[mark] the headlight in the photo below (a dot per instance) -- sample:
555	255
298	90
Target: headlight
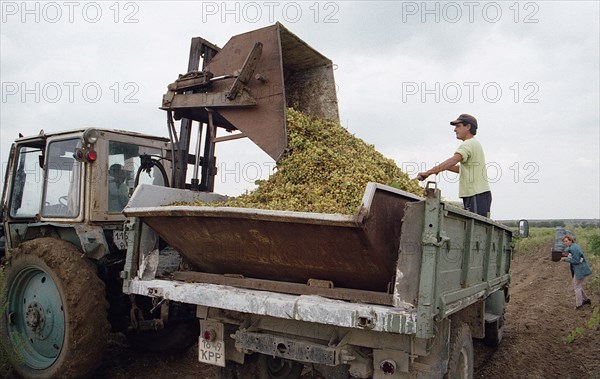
90	136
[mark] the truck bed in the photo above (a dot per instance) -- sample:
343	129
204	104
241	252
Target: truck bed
357	251
400	258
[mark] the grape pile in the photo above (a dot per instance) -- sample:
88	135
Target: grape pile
325	169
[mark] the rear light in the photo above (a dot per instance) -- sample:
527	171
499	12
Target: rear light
209	335
79	155
388	367
91	155
85	155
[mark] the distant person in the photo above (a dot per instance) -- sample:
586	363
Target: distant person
581	270
118	192
569	233
473	186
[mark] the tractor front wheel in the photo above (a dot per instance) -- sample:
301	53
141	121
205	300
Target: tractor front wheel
54	323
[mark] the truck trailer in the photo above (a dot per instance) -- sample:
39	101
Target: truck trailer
102	234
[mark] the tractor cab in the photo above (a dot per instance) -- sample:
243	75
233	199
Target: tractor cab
75	184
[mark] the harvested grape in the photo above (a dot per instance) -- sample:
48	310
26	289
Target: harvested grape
325	169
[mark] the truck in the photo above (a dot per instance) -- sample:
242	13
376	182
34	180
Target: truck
102	235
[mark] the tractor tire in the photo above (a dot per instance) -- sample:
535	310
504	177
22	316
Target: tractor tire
54	323
460	362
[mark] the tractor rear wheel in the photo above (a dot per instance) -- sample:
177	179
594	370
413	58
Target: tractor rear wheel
54	323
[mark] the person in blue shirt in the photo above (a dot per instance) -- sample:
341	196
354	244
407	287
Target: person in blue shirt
581	270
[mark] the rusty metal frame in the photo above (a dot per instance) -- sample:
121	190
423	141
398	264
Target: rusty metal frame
370	297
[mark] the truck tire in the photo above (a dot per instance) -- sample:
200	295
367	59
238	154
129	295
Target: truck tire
233	370
460	362
226	373
54	323
277	368
494	331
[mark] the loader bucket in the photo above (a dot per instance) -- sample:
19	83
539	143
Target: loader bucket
274	70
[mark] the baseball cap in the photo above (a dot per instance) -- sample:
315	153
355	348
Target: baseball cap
465	119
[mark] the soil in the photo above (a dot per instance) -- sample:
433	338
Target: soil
539	317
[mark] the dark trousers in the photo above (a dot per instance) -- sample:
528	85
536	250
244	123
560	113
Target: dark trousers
480	203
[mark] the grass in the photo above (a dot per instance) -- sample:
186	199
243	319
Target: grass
538	238
586	237
590	238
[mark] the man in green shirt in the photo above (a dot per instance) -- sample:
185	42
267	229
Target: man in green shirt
473	186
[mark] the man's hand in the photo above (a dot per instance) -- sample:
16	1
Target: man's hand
423	175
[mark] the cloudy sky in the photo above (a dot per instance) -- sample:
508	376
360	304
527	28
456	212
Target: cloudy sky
529	71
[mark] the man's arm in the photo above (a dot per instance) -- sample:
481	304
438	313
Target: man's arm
450	164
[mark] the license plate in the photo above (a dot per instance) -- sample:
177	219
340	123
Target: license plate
211	350
120	239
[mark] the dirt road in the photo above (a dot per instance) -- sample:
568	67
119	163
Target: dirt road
539	317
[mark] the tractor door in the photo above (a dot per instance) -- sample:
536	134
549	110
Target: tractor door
23	187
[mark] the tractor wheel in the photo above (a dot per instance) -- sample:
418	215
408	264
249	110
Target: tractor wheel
54	323
460	363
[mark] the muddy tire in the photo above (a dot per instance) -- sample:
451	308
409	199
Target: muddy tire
54	323
494	331
460	362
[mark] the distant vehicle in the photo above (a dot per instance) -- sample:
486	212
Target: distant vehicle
559	247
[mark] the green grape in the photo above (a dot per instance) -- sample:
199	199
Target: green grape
325	169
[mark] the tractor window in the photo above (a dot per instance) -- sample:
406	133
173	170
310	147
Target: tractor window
25	201
123	165
63	178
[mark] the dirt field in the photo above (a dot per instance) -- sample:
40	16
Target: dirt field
539	317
